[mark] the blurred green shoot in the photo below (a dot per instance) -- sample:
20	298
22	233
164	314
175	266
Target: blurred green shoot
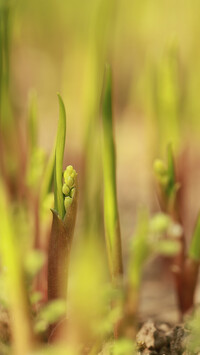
168	95
191	269
36	156
49	314
22	331
194	250
35	168
33	262
38	171
193	340
111	217
152	237
59	154
93	321
185	268
165	176
47	182
139	250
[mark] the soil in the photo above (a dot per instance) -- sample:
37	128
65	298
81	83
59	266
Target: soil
160	338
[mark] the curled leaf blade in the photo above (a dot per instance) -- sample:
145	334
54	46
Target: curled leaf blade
59	154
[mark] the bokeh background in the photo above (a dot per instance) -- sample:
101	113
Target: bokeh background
153	49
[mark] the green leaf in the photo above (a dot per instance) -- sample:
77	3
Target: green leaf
35	167
171	170
34	261
194	251
140	249
11	263
53	311
60	146
166	176
47	178
111	218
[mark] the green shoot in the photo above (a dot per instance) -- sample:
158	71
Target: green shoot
59	153
194	250
139	250
47	179
111	218
165	176
171	170
61	239
15	281
168	92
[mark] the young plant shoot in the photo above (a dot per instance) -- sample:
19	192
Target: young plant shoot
185	267
16	288
111	217
64	216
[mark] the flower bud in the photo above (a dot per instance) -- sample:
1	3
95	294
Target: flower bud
66	189
67	202
72	192
159	167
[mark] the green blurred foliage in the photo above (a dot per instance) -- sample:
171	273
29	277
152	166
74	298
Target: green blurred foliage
63	46
50	313
153	236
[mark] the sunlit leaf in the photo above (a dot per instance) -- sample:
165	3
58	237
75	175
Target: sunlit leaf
111	217
194	250
34	260
58	169
53	311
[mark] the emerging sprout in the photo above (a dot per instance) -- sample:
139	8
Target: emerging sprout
159	223
69	185
159	167
161	172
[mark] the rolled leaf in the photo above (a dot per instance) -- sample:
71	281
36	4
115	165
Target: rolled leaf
59	154
111	217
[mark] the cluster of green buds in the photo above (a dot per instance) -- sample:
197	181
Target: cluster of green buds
165	174
161	172
69	186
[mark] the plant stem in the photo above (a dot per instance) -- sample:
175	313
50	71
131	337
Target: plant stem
22	332
111	217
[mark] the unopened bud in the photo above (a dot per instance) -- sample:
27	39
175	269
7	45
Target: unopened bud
65	189
159	167
70	181
159	223
67	202
72	192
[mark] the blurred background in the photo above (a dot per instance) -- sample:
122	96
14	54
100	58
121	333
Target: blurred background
153	49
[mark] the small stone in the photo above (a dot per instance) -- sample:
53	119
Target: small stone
146	335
